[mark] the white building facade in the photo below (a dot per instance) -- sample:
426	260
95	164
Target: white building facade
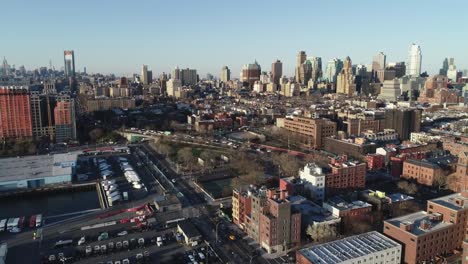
314	178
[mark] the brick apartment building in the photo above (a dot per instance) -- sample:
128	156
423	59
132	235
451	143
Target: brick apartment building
268	218
461	172
375	161
345	175
354	147
314	130
436	234
15	112
424	172
103	103
357	126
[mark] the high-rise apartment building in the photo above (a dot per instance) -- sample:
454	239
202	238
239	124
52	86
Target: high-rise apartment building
188	76
251	73
268	218
69	60
176	73
276	71
301	58
225	75
15	112
64	117
146	75
345	80
42	115
435	234
414	61
379	62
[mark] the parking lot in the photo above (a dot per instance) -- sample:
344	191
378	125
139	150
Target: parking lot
120	242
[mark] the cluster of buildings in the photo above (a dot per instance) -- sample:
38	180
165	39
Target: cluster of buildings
29	114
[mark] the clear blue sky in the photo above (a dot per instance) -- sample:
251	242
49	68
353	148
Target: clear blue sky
119	36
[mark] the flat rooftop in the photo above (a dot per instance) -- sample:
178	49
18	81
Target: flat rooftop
310	211
415	219
450	201
348	248
342	204
399	197
36	167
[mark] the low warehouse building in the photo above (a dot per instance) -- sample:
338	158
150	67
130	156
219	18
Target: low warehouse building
31	172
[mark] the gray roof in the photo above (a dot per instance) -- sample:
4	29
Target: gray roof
415	219
348	248
450	201
36	167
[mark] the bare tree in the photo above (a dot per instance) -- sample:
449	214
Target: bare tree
185	156
409	188
287	165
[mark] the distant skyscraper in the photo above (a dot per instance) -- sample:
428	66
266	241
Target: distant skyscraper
414	61
146	75
345	80
452	70
188	76
305	72
379	62
5	67
251	73
445	66
301	58
276	71
316	68
69	60
333	68
225	75
176	73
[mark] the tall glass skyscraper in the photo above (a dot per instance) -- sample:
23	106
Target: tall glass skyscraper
334	67
69	60
414	61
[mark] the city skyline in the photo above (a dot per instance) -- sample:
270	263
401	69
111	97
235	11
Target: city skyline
163	40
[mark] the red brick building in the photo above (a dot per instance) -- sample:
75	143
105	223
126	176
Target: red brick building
375	161
345	175
15	112
268	217
422	171
436	234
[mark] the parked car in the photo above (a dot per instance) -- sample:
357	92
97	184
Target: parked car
88	250
103	236
159	241
81	241
123	233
